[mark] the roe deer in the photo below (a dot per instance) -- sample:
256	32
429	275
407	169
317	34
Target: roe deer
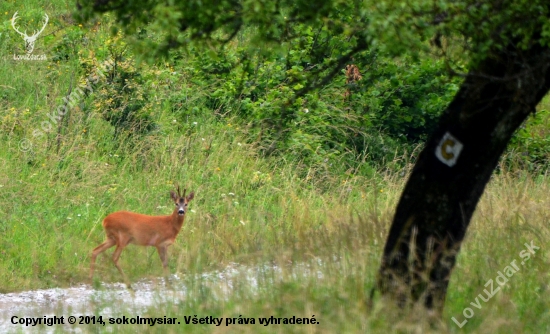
352	76
123	228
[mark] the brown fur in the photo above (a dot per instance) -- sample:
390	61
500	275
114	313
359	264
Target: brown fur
123	228
352	75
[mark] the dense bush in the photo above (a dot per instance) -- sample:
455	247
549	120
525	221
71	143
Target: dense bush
385	114
530	146
123	98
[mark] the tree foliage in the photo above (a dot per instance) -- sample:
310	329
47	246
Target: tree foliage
466	29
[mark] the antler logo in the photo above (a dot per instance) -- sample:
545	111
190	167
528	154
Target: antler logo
29	40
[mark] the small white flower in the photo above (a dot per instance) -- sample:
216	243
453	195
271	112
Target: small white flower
195	123
193	211
202	139
306	110
243	223
231	194
223	195
236	203
239	144
69	218
78	215
174	121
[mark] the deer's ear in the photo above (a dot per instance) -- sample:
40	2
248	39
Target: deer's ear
191	196
173	196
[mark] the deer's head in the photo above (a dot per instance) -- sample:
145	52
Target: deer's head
181	201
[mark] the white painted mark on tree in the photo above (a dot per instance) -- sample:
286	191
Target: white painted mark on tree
448	150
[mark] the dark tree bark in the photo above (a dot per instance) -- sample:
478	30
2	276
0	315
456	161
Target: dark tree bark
450	175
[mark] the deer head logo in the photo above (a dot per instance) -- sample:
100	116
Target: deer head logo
29	40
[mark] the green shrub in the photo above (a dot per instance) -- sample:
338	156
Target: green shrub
123	99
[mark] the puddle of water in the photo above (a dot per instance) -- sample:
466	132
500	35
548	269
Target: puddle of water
81	300
113	299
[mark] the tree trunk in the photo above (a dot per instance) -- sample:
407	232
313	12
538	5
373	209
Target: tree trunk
451	172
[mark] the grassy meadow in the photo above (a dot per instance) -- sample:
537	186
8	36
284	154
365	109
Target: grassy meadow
322	228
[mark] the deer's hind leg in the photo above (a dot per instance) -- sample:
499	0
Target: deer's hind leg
98	250
120	245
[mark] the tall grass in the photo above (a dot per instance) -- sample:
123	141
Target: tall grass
248	210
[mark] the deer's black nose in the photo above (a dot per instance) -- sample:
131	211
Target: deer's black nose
181	211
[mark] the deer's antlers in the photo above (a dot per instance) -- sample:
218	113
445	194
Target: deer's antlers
46	18
13	19
35	33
